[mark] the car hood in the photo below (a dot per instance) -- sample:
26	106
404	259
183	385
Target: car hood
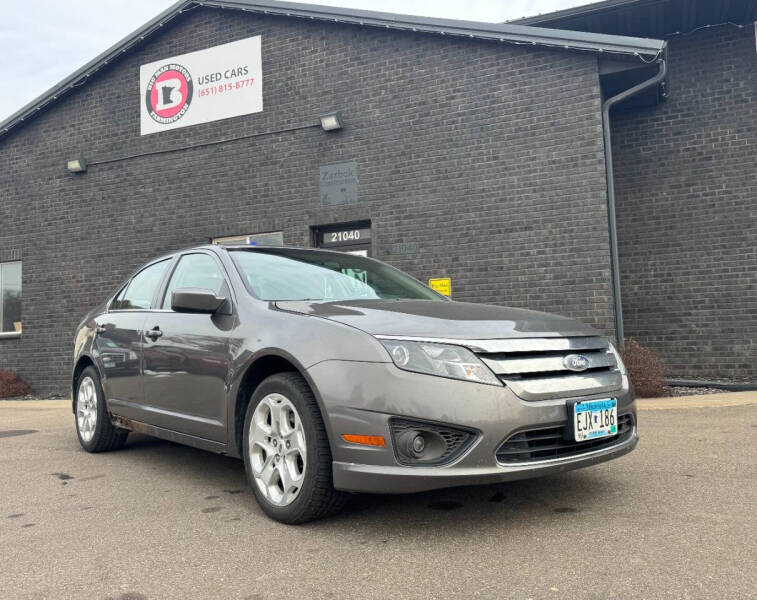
454	320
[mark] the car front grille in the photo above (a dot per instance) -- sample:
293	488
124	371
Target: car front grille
537	368
550	443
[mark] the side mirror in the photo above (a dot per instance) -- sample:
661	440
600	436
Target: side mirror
196	300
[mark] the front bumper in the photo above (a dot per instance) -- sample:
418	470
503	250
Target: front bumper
360	398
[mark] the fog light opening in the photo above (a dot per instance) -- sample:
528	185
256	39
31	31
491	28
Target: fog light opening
425	443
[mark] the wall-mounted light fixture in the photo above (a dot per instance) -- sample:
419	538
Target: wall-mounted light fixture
77	165
331	121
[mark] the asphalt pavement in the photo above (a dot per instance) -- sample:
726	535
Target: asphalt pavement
677	518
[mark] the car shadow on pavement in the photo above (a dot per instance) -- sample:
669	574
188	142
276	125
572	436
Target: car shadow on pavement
572	495
179	458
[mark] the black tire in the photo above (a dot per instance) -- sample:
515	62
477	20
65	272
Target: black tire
317	497
106	437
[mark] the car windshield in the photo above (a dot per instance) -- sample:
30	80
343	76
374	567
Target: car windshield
289	274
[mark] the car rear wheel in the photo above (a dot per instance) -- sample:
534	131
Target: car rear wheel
286	452
95	431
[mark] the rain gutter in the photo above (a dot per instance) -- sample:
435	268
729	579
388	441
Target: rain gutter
608	104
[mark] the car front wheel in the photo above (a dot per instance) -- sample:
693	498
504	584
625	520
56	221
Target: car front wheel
286	452
93	427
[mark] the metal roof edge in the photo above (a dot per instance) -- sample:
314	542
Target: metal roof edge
575	11
503	32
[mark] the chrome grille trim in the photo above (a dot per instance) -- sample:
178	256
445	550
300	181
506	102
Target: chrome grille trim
537	344
496	346
534	368
541	364
578	384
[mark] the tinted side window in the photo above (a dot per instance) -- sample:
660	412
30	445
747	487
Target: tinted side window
140	292
116	302
196	271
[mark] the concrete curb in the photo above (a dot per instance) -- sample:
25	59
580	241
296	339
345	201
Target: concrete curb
725	386
702	401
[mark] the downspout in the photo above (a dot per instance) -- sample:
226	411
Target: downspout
614	263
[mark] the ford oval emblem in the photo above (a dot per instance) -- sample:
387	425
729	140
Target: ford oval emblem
576	362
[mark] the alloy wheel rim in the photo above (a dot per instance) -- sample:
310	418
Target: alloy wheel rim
277	449
86	409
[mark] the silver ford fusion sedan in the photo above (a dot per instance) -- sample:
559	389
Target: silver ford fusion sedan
330	373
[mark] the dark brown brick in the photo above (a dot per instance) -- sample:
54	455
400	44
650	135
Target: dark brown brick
687	216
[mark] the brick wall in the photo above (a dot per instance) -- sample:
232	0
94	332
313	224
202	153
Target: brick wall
686	193
488	156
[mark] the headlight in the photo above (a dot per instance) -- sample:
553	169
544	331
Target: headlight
439	359
618	359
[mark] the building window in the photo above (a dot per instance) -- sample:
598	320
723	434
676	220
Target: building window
271	238
10	298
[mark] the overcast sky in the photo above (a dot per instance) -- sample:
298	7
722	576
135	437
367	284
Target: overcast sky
43	41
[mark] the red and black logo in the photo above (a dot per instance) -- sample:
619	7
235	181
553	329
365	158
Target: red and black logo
169	93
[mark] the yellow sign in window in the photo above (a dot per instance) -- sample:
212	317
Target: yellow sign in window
443	285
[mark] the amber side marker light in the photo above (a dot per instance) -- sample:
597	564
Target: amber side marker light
365	440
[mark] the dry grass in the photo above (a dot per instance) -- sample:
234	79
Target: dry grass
646	369
12	386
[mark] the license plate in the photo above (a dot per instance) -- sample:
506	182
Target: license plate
595	419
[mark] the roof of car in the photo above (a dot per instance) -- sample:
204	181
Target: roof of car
268	247
502	32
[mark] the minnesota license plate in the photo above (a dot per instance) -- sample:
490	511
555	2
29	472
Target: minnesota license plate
595	419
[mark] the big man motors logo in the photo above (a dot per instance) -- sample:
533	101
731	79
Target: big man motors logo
169	93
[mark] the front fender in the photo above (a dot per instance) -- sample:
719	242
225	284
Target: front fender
248	362
300	343
84	350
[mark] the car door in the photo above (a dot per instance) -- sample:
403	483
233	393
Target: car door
119	340
187	355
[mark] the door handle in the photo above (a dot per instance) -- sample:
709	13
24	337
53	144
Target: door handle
153	333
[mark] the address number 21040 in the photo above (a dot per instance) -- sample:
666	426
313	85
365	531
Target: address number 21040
336	237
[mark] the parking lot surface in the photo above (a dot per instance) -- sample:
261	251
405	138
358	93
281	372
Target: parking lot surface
674	519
